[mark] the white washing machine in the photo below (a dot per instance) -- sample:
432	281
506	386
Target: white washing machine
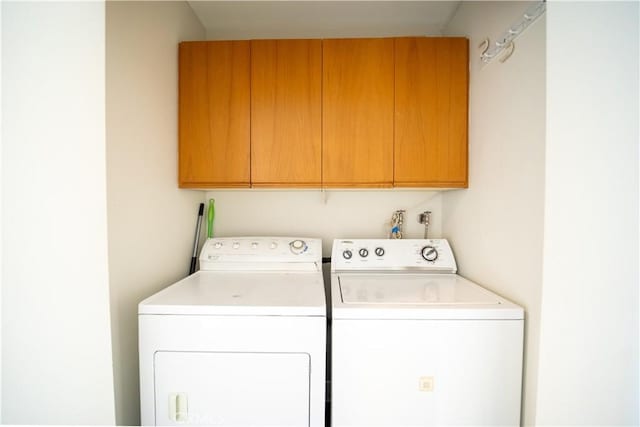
414	344
241	342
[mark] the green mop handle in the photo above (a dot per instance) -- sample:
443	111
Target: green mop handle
211	214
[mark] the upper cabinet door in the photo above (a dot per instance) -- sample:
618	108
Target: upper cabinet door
431	104
357	112
286	112
214	123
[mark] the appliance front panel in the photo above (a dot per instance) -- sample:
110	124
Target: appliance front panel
233	335
218	388
426	372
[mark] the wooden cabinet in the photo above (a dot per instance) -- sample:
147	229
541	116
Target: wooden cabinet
332	113
431	103
357	112
214	119
286	130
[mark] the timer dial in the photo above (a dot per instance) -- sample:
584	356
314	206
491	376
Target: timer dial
298	246
429	253
347	254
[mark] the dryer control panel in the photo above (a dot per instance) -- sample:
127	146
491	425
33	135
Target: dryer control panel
261	253
387	254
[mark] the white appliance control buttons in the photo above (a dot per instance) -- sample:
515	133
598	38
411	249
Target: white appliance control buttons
261	253
433	255
429	253
298	246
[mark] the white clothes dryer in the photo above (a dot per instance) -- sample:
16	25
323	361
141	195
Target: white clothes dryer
241	342
415	344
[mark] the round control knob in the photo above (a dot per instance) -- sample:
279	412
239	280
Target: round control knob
429	253
273	245
298	246
379	251
236	245
217	245
347	254
364	252
254	245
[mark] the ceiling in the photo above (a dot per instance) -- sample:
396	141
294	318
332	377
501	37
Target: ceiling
316	19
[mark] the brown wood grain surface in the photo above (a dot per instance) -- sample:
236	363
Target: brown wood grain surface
214	119
357	112
431	110
286	112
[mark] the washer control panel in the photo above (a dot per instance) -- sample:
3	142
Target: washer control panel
388	254
261	253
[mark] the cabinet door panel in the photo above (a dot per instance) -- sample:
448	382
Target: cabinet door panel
286	110
357	112
214	114
431	104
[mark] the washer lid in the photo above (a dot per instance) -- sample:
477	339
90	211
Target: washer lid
425	289
241	294
418	296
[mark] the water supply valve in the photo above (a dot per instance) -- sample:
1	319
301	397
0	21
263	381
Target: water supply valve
424	218
397	219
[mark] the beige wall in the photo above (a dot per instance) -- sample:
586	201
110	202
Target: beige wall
150	220
589	361
496	226
56	332
322	19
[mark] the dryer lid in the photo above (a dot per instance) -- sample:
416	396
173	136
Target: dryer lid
241	294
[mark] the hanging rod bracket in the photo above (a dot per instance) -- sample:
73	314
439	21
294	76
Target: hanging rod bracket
505	40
